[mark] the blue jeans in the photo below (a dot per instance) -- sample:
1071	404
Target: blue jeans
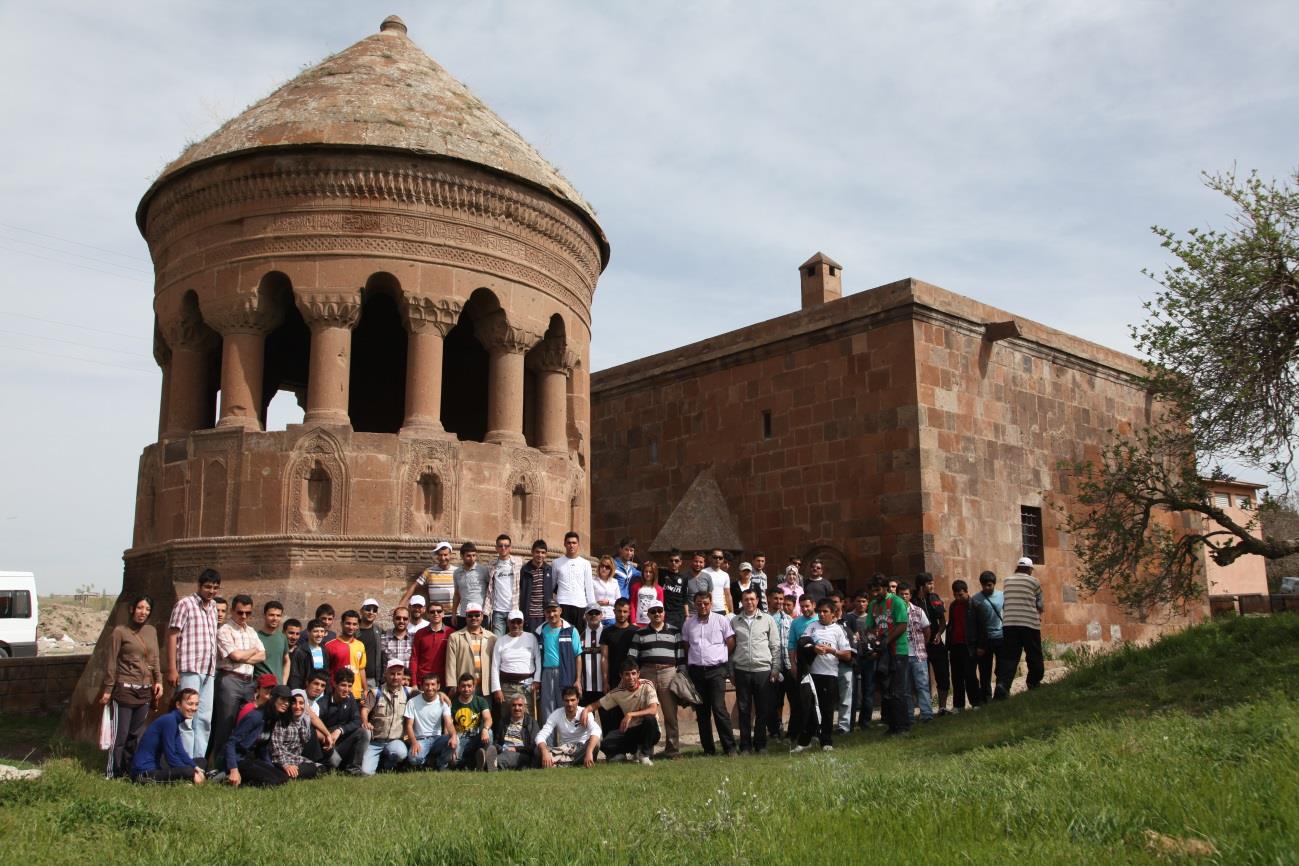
918	689
433	752
202	723
468	746
845	698
500	622
382	754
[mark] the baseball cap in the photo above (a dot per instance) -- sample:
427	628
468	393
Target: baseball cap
1024	560
441	545
744	566
553	605
394	663
370	602
282	692
266	681
417	599
595	608
473	607
654	605
514	614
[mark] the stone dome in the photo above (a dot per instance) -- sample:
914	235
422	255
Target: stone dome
383	92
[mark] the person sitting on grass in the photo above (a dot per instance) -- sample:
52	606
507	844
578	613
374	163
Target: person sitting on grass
637	701
384	715
341	714
575	738
247	750
430	731
516	735
472	716
289	739
161	755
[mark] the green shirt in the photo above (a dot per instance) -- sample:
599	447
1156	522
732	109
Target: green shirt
468	717
276	645
889	610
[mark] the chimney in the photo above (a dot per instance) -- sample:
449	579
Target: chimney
819	279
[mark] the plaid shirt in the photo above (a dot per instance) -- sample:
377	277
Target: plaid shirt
196	643
288	741
396	648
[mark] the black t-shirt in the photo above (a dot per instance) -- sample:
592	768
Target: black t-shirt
674	592
618	640
817	589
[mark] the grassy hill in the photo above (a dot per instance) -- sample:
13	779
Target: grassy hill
1187	751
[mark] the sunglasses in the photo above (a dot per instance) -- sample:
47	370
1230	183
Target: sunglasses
473	615
401	619
371	608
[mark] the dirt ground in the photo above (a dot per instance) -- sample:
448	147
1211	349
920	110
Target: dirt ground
80	623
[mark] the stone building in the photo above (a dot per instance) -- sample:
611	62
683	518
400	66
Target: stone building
373	239
900	429
1246	576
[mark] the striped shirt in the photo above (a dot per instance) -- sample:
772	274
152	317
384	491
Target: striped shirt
232	638
396	648
663	647
592	675
196	643
1022	601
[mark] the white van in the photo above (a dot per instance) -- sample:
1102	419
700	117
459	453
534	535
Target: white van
19	611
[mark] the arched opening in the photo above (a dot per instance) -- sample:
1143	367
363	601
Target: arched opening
465	363
377	389
430	496
210	340
320	495
287	357
520	503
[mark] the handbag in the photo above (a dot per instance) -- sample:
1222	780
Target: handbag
684	689
106	728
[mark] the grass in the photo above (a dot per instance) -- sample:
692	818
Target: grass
1187	751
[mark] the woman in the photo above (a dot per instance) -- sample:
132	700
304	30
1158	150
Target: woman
161	755
132	681
791	585
289	738
247	750
645	592
606	589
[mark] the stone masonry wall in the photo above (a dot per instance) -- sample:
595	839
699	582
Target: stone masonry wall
39	685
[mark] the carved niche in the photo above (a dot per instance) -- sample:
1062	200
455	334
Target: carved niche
316	486
523	502
428	489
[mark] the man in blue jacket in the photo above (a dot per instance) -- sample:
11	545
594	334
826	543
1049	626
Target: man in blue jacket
985	626
560	659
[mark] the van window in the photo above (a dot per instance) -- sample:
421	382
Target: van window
15	604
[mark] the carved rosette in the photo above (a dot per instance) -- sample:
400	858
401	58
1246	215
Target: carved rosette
440	460
316	486
330	309
242	313
553	356
425	315
497	334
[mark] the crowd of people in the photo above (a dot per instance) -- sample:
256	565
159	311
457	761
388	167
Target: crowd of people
537	663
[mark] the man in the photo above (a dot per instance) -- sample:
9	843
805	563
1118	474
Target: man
325	613
222	606
238	649
709	641
430	731
917	660
1022	628
592	680
536	589
674	591
863	682
418	614
191	655
340	712
657	648
292	629
515	736
428	648
384	715
371	637
960	650
988	631
797	707
501	589
637	702
397	643
886	616
472	718
574	589
935	611
516	665
470	581
830	648
615	641
719	582
308	655
576	735
846	668
759	561
469	651
817	587
747	581
347	651
561	659
624	567
275	643
696	581
434	585
777	689
753	660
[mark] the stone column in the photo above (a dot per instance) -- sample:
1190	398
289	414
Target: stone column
506	345
428	321
162	354
331	317
187	386
243	322
552	361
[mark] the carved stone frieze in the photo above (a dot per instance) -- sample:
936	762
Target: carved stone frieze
496	333
242	313
316	486
425	314
441	461
552	355
188	333
330	309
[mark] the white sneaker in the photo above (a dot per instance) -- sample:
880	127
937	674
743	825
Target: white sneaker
797	749
827	748
645	761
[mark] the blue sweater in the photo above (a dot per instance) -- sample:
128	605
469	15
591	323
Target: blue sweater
162	740
244	742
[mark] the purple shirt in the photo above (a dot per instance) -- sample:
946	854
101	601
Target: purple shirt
707	640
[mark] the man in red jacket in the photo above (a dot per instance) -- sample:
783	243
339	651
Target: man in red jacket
428	648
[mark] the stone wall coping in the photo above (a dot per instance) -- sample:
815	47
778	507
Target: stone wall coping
861	311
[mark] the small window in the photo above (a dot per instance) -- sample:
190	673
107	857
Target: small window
1245	503
519	506
654	450
15	604
766	423
430	490
834	271
811	272
1222	500
1030	524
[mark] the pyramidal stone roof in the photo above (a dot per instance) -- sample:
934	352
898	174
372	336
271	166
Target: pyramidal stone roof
382	92
701	521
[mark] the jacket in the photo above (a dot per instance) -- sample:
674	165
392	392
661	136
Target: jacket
757	642
249	740
460	659
570	647
301	664
526	574
983	622
530	728
338	714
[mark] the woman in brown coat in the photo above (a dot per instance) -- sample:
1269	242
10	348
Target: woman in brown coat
133	682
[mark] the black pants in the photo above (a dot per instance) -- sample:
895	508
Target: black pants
940	672
751	701
894	692
794	693
984	663
129	723
822	698
229	693
638	739
306	771
710	682
776	705
573	614
260	774
964	682
864	697
1019	639
165	774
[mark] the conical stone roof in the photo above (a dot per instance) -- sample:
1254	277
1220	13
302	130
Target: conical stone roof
701	521
382	92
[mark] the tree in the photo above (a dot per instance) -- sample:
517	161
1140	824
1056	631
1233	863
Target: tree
1280	518
1222	349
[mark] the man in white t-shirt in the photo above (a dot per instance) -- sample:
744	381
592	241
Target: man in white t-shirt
576	735
829	646
719	582
429	731
574	587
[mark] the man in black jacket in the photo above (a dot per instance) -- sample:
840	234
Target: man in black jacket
341	714
515	734
536	587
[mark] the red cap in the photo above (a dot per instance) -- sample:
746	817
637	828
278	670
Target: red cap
267	681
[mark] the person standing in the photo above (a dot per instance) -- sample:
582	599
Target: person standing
470	581
759	561
817	586
918	630
887	618
719	581
573	580
396	645
625	570
960	652
561	659
275	643
936	612
791	584
781	679
709	641
435	584
645	591
592	685
753	660
657	648
606	589
536	588
615	642
469	651
371	637
516	665
988	632
238	649
502	589
798	708
308	655
132	682
347	651
428	648
674	590
746	581
191	654
1022	629
830	647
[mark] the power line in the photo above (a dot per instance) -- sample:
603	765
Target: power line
70	325
75	358
74	343
51	249
136	280
70	241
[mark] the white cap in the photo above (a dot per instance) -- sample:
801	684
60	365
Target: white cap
441	545
1024	560
370	602
418	599
514	614
473	607
744	566
394	663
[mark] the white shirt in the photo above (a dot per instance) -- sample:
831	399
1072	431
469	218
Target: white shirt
606	593
505	573
416	626
431	718
721	582
573	582
515	655
831	635
569	731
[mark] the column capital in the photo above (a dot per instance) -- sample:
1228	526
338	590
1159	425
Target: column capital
553	356
424	315
161	351
187	333
242	313
498	335
330	309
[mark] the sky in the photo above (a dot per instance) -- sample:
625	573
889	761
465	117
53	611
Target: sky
1014	152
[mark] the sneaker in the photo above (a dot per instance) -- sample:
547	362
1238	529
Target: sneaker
797	749
827	748
480	760
645	761
490	762
616	759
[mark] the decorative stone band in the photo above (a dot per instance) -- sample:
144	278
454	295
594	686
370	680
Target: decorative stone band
330	309
242	313
552	355
497	334
187	333
425	314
